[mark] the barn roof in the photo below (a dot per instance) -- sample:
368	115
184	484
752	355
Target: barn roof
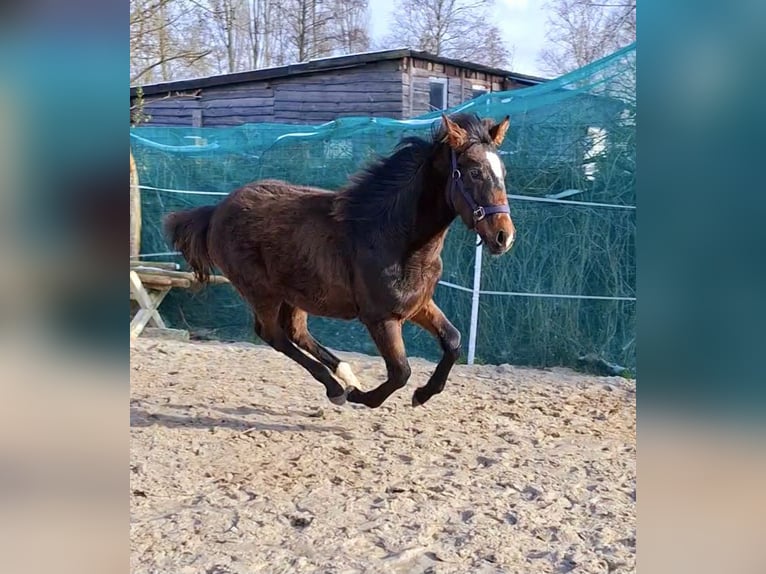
327	64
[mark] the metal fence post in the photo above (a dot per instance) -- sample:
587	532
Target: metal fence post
475	302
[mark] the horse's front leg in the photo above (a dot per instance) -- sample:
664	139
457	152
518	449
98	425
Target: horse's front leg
433	320
387	336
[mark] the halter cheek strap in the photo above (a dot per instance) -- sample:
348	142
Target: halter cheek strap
479	211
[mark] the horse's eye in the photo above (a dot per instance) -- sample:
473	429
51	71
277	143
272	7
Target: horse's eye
475	173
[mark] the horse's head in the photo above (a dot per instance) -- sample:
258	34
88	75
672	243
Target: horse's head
476	185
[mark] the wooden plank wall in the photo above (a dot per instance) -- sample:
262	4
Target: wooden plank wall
460	83
220	106
369	90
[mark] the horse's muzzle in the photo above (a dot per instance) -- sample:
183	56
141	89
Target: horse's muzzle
499	238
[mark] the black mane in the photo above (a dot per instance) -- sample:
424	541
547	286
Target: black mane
388	189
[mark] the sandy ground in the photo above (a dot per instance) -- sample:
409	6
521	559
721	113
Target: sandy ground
239	464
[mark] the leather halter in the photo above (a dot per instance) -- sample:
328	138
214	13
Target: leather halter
479	211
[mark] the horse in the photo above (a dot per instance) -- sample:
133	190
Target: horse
369	252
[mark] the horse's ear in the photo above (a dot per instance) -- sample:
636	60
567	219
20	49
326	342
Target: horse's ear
455	136
497	132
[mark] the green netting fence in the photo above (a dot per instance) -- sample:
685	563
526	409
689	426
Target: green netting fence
566	289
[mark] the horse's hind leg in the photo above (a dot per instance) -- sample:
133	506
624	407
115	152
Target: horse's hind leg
269	329
388	338
295	323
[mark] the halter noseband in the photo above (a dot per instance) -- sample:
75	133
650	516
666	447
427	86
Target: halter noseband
479	211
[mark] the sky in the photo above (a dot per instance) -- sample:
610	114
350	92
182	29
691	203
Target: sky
522	23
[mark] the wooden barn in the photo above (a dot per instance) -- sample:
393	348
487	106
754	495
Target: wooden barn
396	84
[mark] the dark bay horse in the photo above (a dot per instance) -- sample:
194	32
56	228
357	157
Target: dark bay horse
370	251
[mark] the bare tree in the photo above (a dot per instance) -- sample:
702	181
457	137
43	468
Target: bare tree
319	28
452	28
350	26
581	31
239	32
262	19
493	51
183	38
227	18
156	49
260	22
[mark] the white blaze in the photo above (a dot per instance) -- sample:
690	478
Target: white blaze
496	165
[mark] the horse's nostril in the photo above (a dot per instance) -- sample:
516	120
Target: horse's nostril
501	236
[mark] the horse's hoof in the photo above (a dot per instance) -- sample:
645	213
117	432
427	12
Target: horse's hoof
415	401
340	399
354	395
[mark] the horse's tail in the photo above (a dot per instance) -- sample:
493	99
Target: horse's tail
187	231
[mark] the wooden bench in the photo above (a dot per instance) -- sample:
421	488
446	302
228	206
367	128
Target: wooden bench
150	282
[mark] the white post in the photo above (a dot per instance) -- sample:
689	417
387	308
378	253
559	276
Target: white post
475	303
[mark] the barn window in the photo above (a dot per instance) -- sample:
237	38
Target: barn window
438	88
478	90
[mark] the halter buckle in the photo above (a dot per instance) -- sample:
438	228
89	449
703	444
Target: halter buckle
479	214
456	174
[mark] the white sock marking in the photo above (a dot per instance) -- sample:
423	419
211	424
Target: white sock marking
313	358
345	374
